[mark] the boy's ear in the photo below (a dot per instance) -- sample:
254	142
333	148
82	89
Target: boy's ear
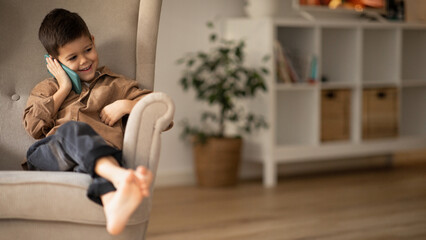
93	39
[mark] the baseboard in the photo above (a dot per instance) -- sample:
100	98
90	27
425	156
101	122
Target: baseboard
186	177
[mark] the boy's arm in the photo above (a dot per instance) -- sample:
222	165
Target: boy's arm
44	102
113	112
128	94
39	114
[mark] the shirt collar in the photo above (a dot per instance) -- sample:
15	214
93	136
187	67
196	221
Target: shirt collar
106	71
100	72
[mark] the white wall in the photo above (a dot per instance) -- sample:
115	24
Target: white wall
182	30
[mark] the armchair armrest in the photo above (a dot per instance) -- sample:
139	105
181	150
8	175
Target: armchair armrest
152	115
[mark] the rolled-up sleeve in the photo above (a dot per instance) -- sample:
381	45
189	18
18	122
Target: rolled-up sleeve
39	113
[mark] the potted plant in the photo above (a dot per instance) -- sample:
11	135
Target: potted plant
220	78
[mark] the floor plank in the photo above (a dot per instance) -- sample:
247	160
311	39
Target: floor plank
369	204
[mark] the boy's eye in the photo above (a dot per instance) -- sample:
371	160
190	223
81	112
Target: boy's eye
72	58
89	49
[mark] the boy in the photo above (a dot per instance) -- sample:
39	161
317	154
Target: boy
84	132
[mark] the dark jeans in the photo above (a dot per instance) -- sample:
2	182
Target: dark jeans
74	147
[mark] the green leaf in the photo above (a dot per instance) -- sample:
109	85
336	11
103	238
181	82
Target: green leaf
184	83
213	37
239	54
202	55
239	93
180	61
213	65
266	58
212	98
263	86
210	25
197	83
208	115
234	117
190	62
224	51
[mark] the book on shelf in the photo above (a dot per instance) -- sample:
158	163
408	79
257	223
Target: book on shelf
293	66
283	75
313	69
290	68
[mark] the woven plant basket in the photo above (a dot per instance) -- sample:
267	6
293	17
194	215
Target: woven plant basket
217	162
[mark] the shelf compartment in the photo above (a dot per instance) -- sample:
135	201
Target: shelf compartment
335	115
380	113
297	117
380	55
413	113
340	55
299	46
414	54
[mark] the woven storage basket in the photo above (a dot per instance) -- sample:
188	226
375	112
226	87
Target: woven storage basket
217	162
380	113
335	114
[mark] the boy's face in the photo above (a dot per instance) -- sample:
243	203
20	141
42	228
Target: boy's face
80	56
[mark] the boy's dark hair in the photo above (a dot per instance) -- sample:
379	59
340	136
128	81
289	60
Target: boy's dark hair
60	27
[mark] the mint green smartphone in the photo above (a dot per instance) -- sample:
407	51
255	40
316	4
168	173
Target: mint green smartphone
75	79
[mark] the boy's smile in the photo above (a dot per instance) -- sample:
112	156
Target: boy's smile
80	56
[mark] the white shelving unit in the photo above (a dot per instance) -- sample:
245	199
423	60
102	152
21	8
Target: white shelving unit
351	55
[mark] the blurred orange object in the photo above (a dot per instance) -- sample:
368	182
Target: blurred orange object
309	2
356	4
374	3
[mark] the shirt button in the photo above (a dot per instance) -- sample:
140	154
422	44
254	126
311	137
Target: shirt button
15	97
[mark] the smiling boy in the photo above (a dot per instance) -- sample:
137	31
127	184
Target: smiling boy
84	132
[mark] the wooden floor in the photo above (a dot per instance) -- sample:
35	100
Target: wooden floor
383	204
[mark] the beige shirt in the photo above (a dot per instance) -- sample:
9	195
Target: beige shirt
40	121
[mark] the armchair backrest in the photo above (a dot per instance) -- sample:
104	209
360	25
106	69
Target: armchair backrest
125	37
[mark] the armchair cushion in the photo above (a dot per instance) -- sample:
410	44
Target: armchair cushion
52	196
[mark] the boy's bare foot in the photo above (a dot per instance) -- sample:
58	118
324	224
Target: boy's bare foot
120	205
132	186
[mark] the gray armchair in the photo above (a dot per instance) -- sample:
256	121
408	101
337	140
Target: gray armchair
53	205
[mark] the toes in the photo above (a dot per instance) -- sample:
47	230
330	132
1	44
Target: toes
140	177
129	177
145	179
141	173
145	173
141	170
148	177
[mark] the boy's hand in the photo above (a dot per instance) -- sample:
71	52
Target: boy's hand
113	112
61	76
